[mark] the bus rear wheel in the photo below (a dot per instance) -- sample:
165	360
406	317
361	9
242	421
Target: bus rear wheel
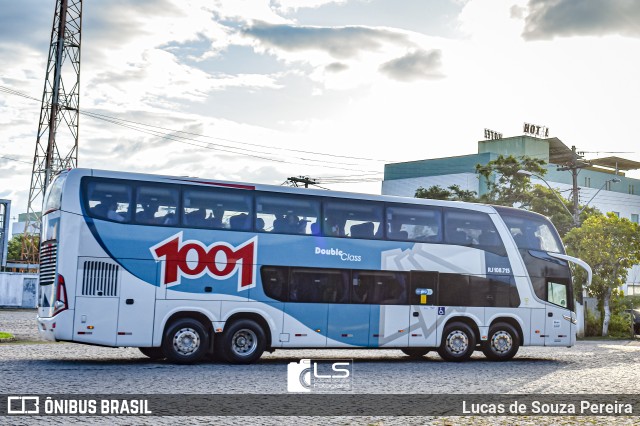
415	352
458	342
153	353
186	341
243	342
503	342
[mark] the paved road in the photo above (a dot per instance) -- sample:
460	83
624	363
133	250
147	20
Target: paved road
589	367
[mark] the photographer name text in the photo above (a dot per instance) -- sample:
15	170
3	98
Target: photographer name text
538	407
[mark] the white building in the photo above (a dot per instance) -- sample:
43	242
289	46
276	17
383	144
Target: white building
596	182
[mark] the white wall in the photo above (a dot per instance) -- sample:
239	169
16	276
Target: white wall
18	290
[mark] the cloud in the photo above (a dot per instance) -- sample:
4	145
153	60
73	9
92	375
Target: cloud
339	42
337	67
418	65
565	18
305	4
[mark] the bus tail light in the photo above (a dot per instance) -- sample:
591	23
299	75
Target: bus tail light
61	297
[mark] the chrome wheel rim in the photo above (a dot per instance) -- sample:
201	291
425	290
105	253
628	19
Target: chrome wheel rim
186	341
244	342
501	342
457	342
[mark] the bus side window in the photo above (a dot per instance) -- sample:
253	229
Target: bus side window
379	287
470	228
239	222
216	208
284	214
319	286
557	292
360	219
158	204
414	223
453	290
109	200
275	282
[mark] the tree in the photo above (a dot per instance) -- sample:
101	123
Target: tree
14	247
509	188
453	192
610	245
505	186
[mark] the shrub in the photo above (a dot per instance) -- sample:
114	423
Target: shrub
620	325
594	326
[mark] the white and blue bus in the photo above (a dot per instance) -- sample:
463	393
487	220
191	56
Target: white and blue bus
189	269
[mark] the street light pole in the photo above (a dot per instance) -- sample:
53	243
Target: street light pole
528	173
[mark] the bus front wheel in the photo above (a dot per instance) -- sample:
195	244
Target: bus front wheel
458	342
186	341
243	342
503	342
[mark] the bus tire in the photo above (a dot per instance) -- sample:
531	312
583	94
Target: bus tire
153	353
503	342
186	341
458	342
415	352
243	342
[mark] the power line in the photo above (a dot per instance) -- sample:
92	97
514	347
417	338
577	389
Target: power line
149	129
134	125
15	159
97	115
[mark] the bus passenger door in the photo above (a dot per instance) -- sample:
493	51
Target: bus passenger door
424	313
389	326
558	320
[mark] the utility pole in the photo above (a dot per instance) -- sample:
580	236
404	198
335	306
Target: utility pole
574	166
5	212
302	179
60	101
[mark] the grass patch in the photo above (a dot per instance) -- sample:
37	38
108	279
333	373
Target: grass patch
4	335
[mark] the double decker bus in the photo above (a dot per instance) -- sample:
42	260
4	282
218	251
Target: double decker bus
189	269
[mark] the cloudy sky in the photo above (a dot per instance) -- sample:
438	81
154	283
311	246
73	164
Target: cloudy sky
260	90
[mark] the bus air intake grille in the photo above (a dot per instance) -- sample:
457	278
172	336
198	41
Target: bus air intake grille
48	256
100	279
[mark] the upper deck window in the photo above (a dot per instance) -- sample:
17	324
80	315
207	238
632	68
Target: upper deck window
157	204
471	228
419	223
216	209
285	214
109	200
355	219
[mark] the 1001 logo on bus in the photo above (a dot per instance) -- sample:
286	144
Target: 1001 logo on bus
220	260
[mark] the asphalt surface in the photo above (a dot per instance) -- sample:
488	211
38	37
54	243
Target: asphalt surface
30	365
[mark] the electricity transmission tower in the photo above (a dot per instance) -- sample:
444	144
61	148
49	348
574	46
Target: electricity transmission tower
56	145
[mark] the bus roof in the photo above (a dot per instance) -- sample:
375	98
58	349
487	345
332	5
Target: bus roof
188	180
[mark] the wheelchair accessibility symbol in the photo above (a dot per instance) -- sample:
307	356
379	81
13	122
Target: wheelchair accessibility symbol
440	310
